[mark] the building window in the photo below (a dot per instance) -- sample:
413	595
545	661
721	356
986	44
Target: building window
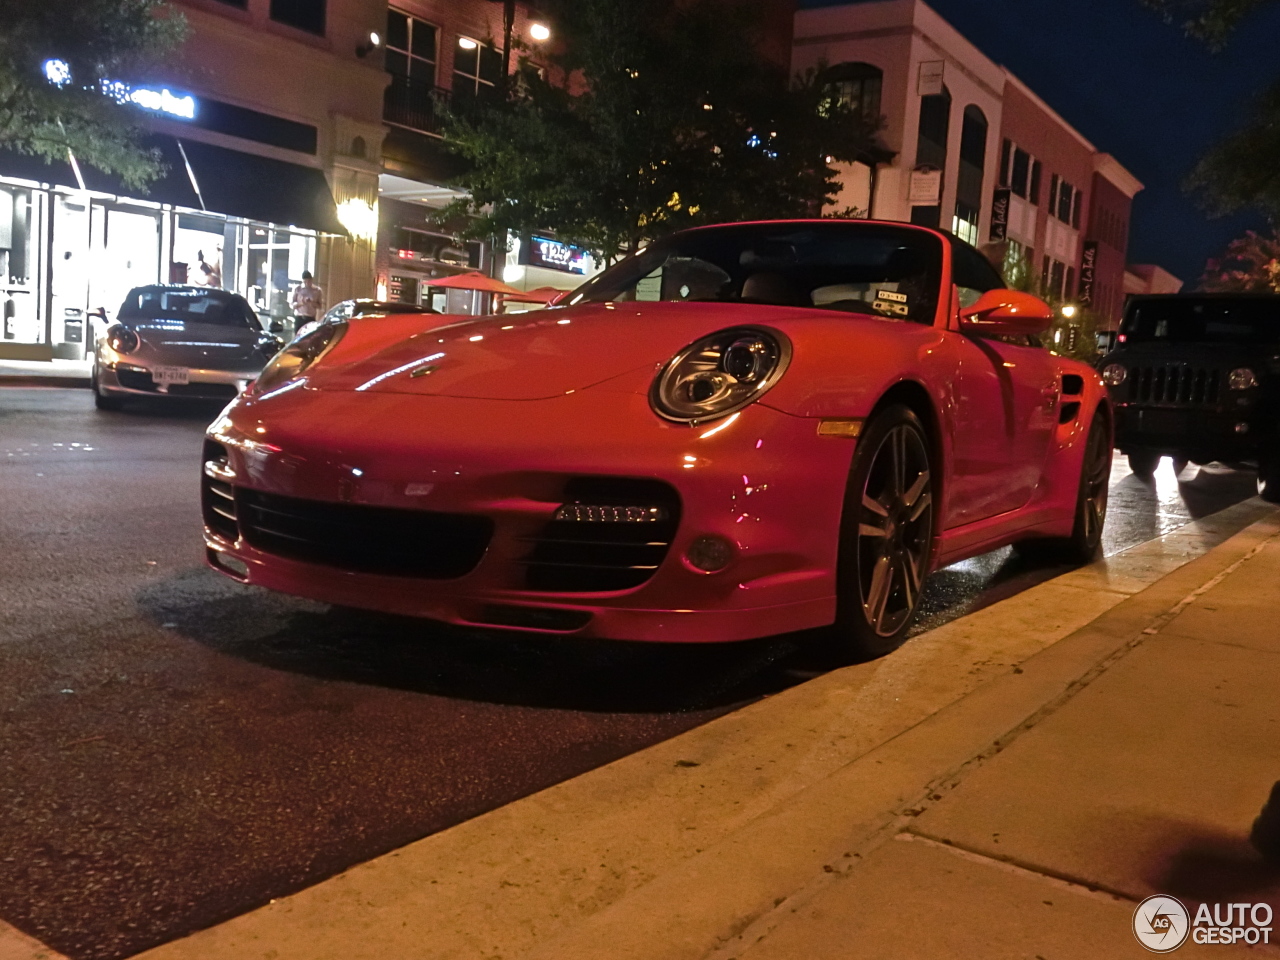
238	4
1033	192
1076	203
1065	192
931	148
973	156
477	71
306	15
856	86
411	48
1021	172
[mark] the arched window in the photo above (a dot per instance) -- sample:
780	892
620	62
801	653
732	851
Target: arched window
856	85
973	153
359	148
931	149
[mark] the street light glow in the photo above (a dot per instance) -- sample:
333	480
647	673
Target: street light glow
539	32
1069	311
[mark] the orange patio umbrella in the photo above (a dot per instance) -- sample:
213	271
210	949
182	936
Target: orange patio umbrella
475	280
537	295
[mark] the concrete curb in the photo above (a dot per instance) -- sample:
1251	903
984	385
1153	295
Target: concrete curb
696	844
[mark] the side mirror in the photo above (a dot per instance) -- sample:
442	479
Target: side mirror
1007	312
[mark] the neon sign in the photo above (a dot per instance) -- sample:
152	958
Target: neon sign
162	100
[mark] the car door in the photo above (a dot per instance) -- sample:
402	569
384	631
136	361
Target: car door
1006	394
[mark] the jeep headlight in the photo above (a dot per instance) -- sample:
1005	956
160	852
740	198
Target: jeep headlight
1242	378
720	374
1114	374
299	355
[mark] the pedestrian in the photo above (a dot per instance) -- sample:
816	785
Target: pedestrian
308	300
1265	835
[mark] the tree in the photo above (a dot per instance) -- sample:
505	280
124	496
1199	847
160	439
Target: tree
657	115
55	56
1243	171
1251	264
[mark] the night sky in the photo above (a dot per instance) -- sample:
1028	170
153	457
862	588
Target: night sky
1138	89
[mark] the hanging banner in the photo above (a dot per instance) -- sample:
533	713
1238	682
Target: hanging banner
929	80
1088	272
1000	215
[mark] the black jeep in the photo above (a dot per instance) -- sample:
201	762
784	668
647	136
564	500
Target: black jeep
1197	377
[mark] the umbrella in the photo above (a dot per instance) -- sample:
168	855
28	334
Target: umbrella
537	295
475	281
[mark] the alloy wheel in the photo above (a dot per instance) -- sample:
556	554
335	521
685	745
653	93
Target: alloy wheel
1096	480
895	522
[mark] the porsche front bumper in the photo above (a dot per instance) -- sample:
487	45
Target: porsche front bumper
443	508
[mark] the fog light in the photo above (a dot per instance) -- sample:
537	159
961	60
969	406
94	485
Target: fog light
709	554
1242	428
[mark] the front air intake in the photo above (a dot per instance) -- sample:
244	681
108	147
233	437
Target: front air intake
611	533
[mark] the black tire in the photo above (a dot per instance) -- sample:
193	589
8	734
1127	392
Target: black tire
886	536
1143	463
1269	478
1085	543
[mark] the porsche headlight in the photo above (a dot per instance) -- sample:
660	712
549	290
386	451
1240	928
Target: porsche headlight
299	354
121	339
719	374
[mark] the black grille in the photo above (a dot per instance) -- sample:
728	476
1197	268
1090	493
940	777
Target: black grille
1175	384
135	379
217	496
215	391
382	540
576	556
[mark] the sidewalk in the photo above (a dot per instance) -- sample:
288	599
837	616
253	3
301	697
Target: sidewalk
45	373
1009	785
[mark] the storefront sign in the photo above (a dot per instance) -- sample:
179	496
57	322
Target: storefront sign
156	100
1000	215
926	187
566	257
1088	272
929	81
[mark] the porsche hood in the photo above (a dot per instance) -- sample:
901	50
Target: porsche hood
540	354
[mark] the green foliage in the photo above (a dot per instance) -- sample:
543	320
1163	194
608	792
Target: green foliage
1209	20
1250	264
98	39
1242	172
669	119
1075	336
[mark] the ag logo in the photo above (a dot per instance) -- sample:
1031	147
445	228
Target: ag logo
1161	924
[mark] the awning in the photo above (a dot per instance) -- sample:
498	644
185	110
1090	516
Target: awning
231	183
259	188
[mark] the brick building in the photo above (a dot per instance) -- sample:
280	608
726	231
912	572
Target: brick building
269	121
974	149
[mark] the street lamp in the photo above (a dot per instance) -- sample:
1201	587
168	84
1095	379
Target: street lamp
1069	310
539	32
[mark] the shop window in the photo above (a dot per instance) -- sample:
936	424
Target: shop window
411	48
21	313
856	86
965	222
931	148
306	15
477	71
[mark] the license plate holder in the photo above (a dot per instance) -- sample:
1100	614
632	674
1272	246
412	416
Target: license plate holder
167	376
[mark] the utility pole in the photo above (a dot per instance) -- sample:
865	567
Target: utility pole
508	24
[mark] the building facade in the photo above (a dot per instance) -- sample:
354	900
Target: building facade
975	151
269	122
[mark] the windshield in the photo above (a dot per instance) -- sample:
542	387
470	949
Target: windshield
194	306
883	271
1203	321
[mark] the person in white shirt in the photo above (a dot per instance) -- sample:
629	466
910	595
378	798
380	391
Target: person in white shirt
308	300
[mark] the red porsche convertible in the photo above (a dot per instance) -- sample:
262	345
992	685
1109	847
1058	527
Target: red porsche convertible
739	431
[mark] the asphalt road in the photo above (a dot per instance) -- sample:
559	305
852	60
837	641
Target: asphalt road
176	749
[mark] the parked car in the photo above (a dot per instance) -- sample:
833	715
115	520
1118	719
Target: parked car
179	341
1197	377
742	430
